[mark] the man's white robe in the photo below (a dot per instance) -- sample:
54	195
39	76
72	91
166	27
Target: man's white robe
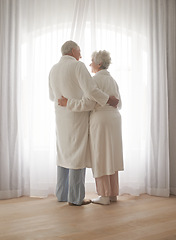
71	79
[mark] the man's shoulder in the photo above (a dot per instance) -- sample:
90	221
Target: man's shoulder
53	67
80	65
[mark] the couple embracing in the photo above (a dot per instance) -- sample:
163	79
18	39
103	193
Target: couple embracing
88	126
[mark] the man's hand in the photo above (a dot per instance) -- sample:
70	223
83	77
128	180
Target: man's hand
113	101
62	101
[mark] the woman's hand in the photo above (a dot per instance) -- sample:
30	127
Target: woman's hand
62	101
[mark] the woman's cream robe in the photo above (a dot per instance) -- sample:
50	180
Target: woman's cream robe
105	128
71	79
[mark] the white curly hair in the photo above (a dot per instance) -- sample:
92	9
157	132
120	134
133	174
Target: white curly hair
103	58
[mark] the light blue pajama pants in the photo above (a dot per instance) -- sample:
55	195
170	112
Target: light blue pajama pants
70	185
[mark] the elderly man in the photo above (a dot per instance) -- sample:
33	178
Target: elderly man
70	78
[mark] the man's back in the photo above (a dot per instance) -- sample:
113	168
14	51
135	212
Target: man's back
72	127
64	80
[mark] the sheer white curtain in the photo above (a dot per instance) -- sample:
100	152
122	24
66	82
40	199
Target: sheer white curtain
137	34
11	165
171	63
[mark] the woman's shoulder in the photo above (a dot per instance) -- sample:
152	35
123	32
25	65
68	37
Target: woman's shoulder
103	72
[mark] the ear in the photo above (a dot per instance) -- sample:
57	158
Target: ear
100	64
72	51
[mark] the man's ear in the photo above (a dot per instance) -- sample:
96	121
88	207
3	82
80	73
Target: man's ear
73	51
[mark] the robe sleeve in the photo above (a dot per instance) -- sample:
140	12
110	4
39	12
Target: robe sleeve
51	95
88	86
119	106
80	105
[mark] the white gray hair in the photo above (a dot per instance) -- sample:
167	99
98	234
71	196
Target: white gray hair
68	46
103	58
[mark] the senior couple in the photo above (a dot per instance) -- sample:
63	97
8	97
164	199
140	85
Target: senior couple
88	126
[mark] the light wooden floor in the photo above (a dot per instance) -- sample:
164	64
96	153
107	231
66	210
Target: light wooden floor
131	218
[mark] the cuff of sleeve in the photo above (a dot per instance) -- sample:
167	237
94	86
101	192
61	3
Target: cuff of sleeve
104	100
69	104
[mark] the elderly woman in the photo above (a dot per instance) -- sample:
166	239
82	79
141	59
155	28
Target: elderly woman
105	131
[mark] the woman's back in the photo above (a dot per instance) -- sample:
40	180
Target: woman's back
108	85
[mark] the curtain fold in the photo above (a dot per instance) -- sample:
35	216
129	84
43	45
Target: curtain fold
140	35
171	74
10	152
158	139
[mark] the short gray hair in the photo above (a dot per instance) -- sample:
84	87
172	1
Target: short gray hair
68	46
103	58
